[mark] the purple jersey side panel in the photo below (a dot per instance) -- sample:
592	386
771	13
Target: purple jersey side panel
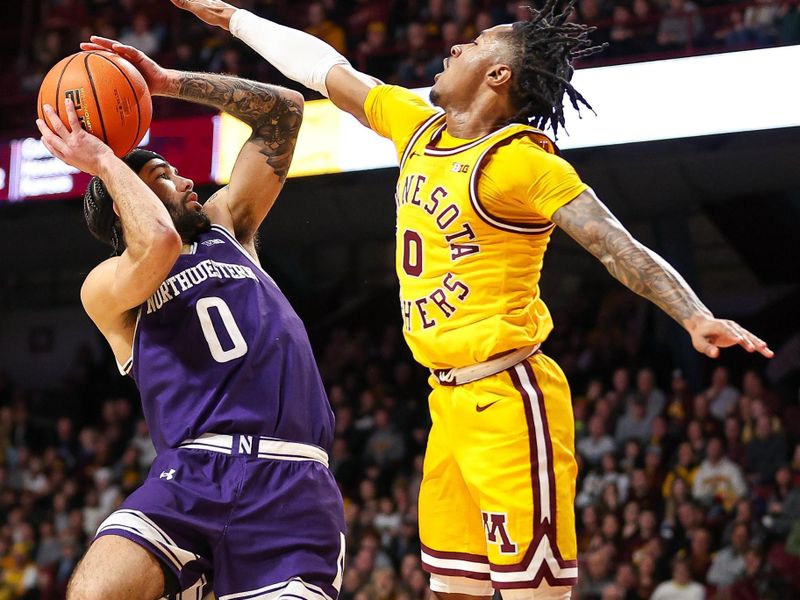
218	348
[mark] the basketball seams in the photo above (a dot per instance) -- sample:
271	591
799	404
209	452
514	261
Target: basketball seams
94	92
135	97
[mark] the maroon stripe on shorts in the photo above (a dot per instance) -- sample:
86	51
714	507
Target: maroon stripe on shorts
476	558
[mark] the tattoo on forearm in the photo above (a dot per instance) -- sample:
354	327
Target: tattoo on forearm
274	118
591	224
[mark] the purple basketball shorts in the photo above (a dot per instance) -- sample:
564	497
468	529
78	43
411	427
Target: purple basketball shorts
250	518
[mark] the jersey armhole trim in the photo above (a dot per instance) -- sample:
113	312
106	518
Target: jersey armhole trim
126	367
493	220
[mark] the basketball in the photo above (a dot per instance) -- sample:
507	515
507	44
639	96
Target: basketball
110	97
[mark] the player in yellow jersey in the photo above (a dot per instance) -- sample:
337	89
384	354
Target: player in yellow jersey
480	190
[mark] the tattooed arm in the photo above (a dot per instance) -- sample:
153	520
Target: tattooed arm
591	224
274	114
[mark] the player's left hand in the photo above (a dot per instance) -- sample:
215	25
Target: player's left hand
156	76
709	335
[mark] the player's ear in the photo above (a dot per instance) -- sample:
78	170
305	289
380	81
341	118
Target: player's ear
498	75
116	210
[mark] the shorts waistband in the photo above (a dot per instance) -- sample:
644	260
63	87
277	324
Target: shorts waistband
256	446
470	373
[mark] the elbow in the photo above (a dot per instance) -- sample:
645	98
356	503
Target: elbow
164	241
292	97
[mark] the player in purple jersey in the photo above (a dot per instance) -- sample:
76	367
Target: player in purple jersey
240	498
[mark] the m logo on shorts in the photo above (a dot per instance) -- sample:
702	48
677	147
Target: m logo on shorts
494	524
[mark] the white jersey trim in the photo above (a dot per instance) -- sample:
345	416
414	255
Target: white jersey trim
271	448
293	588
127	366
134	521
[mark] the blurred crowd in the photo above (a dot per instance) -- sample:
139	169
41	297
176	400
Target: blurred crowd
397	41
683	492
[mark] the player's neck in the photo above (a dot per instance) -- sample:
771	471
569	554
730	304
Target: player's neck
481	117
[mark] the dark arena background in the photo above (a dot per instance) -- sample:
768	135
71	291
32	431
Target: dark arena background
695	147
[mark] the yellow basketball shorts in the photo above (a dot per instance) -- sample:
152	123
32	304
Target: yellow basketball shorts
497	498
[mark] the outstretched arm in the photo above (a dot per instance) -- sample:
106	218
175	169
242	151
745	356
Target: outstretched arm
274	113
298	55
587	220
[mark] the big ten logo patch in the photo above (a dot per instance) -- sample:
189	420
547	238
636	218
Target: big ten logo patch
494	525
459	167
77	97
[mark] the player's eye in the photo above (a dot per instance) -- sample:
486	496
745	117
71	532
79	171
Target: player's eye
164	176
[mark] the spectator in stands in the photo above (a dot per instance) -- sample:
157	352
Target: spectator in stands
623	40
721	396
699	555
679	402
620	393
321	26
732	431
788	24
597	443
654	398
634	425
685	468
464	17
728	564
419	65
783	505
766	452
141	36
680	26
646	21
374	54
596	573
743	515
718	478
681	586
760	19
385	447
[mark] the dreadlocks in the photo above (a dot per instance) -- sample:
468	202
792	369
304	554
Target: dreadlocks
544	48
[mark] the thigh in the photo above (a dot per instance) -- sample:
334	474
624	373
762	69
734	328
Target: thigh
115	568
179	513
285	537
517	457
450	530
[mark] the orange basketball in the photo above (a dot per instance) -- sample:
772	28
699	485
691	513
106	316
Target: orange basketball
109	94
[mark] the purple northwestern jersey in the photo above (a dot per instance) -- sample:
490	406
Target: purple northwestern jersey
218	348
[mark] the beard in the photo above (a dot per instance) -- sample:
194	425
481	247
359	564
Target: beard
434	97
189	223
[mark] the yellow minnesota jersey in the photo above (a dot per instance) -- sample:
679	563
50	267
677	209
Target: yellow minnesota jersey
473	223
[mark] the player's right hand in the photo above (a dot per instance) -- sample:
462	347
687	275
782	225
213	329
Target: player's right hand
155	76
213	12
74	146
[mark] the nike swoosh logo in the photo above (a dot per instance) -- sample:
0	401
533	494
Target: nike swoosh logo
480	408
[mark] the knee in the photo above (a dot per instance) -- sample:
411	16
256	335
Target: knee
84	586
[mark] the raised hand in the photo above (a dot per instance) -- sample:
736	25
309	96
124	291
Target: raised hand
213	12
710	334
74	146
156	76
